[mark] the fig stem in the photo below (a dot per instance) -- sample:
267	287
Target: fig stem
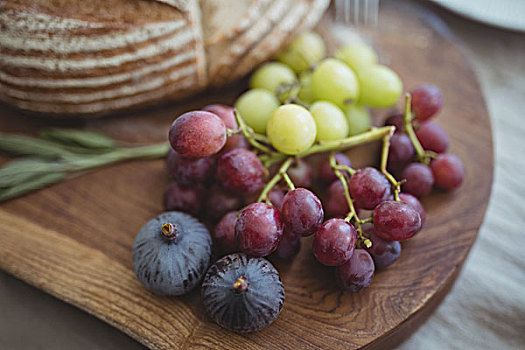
169	231
241	284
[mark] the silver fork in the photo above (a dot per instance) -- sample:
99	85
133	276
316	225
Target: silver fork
357	11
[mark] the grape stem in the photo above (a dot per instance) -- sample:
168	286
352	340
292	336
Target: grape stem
373	134
251	135
384	158
342	179
281	173
423	157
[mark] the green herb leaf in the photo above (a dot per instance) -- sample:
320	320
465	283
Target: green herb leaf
21	170
26	145
31	185
87	139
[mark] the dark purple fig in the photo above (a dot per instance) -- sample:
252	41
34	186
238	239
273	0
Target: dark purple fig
242	294
171	253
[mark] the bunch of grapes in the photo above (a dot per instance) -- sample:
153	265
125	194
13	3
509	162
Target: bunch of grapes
418	148
245	170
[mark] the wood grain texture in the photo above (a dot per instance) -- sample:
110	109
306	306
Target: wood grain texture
74	240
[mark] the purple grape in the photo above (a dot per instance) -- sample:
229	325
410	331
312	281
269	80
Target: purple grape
302	212
383	252
219	202
432	137
396	221
325	172
197	134
419	179
300	173
224	234
335	204
186	199
416	204
258	229
226	113
357	273
397	120
400	152
334	242
289	246
276	197
368	187
426	101
188	171
448	171
240	171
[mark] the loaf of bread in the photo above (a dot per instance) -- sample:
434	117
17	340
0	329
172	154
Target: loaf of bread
93	57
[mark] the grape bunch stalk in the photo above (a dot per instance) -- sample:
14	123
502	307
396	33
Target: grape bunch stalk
246	170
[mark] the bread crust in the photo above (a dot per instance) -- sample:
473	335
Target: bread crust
91	58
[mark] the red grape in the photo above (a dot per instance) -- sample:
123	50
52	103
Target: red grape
397	120
197	134
289	246
226	113
396	221
219	202
419	179
432	137
368	187
426	101
224	234
300	173
335	204
302	212
240	171
383	252
188	171
357	273
325	172
276	197
400	152
258	229
186	199
334	242
448	171
416	204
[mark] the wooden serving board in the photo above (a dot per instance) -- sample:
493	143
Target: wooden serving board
74	239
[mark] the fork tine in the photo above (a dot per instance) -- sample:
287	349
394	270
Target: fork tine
374	11
356	11
338	10
347	10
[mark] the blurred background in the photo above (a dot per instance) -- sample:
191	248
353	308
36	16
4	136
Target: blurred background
484	310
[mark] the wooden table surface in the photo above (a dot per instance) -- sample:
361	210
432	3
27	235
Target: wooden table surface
70	247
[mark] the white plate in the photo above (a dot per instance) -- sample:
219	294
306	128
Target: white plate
509	14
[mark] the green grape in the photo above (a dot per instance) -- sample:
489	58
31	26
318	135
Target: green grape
356	55
380	86
256	107
271	76
306	93
330	121
333	81
291	129
358	119
304	51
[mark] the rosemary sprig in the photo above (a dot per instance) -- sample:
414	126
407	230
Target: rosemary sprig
59	154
